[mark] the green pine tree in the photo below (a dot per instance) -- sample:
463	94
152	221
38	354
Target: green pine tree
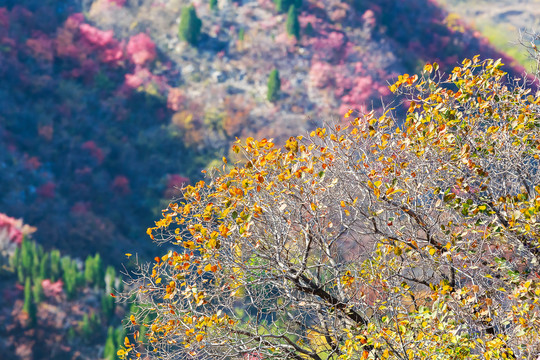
38	290
109	352
293	25
309	31
14	259
55	265
89	268
190	26
274	86
107	306
99	273
44	267
213	4
29	306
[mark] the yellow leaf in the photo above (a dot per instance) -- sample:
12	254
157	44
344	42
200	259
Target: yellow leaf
158	280
208	267
432	251
128	254
199	337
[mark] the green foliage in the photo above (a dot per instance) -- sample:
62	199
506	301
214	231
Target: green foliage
107	306
109	352
309	31
44	270
284	5
241	34
190	26
72	276
274	86
213	5
54	265
38	290
89	326
29	306
293	25
93	271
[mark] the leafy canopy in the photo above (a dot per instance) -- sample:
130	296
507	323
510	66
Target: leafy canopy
376	239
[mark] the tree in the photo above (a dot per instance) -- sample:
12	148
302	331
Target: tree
109	351
190	25
378	238
213	4
274	86
29	306
293	25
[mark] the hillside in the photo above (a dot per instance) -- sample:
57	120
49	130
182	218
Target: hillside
105	111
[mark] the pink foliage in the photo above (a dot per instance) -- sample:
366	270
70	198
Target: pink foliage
321	74
369	18
141	49
4	17
52	289
132	81
94	150
175	99
47	190
13	230
80	208
329	47
95	36
120	185
119	3
255	355
41	46
176	181
113	55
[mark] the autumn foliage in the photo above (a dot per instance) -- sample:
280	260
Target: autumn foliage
380	238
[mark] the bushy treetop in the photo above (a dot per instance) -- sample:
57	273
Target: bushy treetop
379	238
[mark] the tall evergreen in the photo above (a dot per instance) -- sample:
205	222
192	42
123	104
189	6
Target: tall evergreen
55	265
293	25
44	266
107	306
284	5
89	268
274	86
29	306
38	290
109	352
213	4
190	25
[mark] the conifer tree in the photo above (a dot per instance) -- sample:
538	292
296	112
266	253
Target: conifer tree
99	273
109	352
89	274
14	259
274	86
38	290
293	25
29	306
190	26
107	306
44	267
54	265
213	4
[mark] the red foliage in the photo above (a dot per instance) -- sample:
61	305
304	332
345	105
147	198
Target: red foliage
47	190
94	150
95	36
175	99
321	74
41	46
4	17
80	208
120	185
32	163
52	289
176	181
141	49
13	230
